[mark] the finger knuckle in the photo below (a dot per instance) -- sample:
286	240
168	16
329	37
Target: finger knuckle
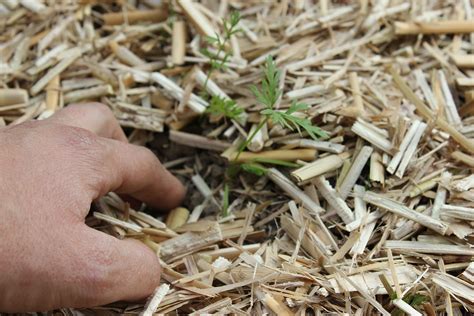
98	274
77	137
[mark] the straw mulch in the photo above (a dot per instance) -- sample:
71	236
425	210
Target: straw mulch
377	218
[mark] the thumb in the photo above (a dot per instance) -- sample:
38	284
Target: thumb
114	269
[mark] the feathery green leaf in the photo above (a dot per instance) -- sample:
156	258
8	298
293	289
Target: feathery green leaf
226	107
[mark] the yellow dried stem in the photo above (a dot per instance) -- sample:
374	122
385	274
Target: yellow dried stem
137	16
460	156
463	61
319	167
177	217
434	27
53	91
13	97
178	48
279	154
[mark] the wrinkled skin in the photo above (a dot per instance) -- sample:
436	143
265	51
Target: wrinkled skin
51	171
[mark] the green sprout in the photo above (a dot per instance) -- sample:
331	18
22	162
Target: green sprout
221	42
268	95
218	105
225	107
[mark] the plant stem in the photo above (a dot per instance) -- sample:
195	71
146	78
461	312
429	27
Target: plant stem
219	51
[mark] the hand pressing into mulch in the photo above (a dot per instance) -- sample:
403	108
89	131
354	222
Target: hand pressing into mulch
50	172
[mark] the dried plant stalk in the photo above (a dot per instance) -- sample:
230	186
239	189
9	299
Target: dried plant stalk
257	141
463	61
307	91
380	11
360	208
146	218
297	234
279	154
469	96
319	167
52	94
319	145
350	242
421	188
13	96
178	48
201	186
334	200
277	307
423	247
407	308
465	83
177	217
364	130
435	27
139	117
411	148
55	32
126	55
454	286
229	253
88	94
468	160
328	54
53	53
197	141
354	172
211	87
200	22
219	306
195	103
402	210
197	211
371	281
247	224
10	4
155	300
115	221
132	17
460	185
368	297
450	107
359	247
33	5
53	72
293	191
403	147
426	113
377	172
190	242
458	212
428	94
356	92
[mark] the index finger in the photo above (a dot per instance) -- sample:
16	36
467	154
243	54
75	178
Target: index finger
136	171
93	116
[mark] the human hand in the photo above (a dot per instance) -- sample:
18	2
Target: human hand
51	171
